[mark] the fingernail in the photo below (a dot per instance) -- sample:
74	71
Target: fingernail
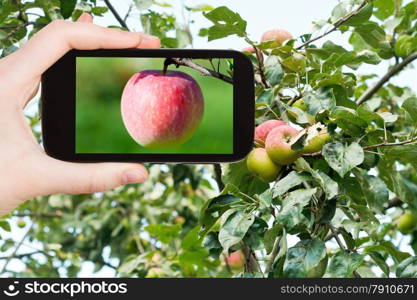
132	176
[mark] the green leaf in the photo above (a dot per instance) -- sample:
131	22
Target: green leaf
329	186
67	7
364	14
296	63
410	106
303	257
226	22
191	239
99	10
343	264
273	70
164	233
389	248
214	208
288	182
384	9
4	224
319	101
291	215
239	175
343	158
143	4
270	237
266	97
380	261
374	190
234	226
408	268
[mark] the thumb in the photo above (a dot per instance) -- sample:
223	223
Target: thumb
86	178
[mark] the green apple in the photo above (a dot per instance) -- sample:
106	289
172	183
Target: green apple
155	273
259	163
317	137
407	222
263	129
278	145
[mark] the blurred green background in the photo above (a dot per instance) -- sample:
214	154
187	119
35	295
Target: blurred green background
99	126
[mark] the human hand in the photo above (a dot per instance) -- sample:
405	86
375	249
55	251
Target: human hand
25	170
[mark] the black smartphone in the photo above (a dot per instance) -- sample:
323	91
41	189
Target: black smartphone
149	105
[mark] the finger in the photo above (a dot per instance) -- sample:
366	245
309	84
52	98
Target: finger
56	39
85	17
79	178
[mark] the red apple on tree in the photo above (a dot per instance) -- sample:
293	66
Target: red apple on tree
236	260
277	35
262	131
258	162
278	145
162	110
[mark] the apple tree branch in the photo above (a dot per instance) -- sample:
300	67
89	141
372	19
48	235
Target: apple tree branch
204	71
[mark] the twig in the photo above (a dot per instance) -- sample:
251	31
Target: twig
335	26
397	68
218	176
40	215
395	203
341	246
23	255
116	14
204	71
128	12
385	144
6	263
261	67
21	25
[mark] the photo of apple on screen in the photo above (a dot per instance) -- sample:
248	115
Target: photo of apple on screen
153	105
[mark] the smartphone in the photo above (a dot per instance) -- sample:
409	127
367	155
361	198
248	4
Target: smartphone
147	105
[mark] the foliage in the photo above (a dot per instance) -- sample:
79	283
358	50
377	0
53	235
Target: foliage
339	204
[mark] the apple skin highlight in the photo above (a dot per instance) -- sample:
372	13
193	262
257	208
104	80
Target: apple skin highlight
162	110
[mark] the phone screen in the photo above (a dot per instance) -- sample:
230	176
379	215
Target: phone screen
133	105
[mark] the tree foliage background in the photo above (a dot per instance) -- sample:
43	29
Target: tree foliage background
340	205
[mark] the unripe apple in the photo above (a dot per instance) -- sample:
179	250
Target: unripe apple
278	145
278	35
236	260
317	137
161	110
259	163
407	222
155	273
21	223
179	220
262	131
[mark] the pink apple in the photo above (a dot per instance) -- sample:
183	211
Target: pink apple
236	260
262	131
278	35
278	145
161	110
249	49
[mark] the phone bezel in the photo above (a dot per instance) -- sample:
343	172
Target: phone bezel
58	107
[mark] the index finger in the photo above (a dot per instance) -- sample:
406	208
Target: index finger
57	38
